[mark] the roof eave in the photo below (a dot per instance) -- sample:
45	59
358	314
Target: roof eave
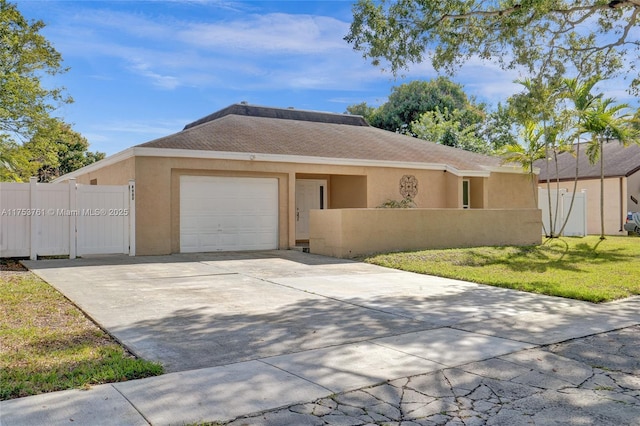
279	158
511	169
112	159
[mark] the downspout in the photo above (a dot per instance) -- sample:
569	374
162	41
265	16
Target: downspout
623	214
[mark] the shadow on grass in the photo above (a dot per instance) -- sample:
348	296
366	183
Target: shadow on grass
552	255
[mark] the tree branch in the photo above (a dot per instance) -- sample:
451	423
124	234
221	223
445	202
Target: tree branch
482	13
510	10
621	41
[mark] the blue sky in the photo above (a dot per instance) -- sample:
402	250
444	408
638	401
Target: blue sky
140	70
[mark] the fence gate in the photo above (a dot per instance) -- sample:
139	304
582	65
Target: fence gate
560	202
66	219
104	225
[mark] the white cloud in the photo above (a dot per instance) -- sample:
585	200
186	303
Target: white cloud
95	138
160	128
163	81
344	102
267	34
115	24
269	51
116	135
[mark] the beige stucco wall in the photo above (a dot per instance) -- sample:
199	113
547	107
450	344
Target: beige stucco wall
633	190
115	174
478	192
344	191
356	232
383	184
158	191
511	190
615	203
347	191
453	192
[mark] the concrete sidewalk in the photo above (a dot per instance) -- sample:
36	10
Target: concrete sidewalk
589	380
496	357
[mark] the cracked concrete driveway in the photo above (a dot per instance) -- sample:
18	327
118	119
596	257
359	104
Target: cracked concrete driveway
194	311
204	310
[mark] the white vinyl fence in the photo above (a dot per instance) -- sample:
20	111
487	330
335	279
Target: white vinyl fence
577	224
46	219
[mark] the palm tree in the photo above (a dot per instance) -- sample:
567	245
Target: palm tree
538	104
579	93
605	123
527	155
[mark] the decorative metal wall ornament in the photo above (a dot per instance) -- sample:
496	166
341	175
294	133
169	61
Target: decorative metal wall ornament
408	186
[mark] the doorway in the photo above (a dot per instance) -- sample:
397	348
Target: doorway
310	194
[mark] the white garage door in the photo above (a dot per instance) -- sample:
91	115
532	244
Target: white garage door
228	213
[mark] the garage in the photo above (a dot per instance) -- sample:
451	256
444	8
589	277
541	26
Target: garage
228	213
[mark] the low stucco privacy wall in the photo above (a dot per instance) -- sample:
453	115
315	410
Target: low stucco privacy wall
355	232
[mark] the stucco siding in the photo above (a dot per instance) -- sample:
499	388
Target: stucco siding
158	191
614	213
453	192
614	203
114	174
347	191
384	185
478	195
356	232
153	206
511	191
633	190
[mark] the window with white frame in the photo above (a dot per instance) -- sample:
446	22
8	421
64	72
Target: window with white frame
466	203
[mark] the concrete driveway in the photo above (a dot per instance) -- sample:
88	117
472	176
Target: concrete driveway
205	310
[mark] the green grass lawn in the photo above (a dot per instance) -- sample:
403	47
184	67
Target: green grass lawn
47	344
578	268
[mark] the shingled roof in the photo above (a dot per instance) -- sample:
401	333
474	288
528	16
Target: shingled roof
619	161
261	130
285	114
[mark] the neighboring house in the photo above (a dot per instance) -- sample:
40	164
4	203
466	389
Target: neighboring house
246	177
621	183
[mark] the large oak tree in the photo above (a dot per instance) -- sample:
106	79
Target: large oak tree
548	38
32	140
25	57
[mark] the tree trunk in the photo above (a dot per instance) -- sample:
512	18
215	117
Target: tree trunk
602	237
575	187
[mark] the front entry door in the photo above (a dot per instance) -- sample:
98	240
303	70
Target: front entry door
310	194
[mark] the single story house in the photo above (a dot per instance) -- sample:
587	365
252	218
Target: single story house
246	178
621	183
